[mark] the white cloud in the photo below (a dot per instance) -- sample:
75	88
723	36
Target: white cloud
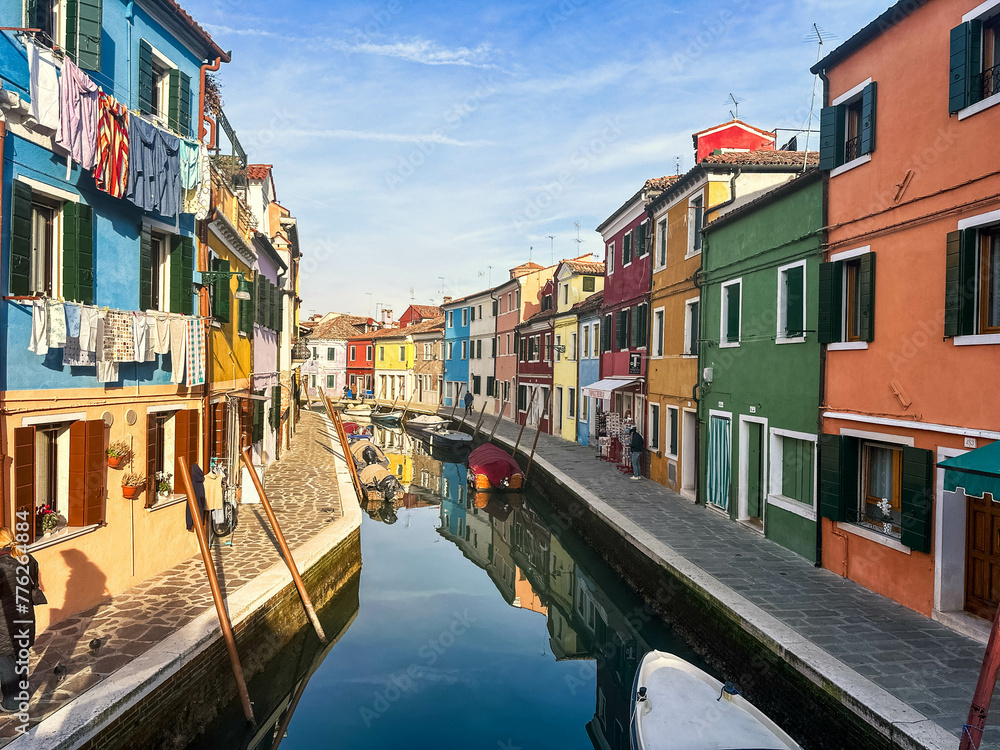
364	135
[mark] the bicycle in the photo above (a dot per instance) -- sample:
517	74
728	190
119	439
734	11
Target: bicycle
224	521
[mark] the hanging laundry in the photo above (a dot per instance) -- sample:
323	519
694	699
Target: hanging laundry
107	372
161	334
76	356
190	164
198	200
140	336
44	88
78	105
112	156
89	317
56	317
195	353
39	328
119	337
168	169
178	349
148	354
154	168
72	320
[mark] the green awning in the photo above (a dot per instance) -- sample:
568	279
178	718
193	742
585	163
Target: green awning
978	471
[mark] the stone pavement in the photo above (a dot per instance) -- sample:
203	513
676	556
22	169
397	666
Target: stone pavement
928	666
302	488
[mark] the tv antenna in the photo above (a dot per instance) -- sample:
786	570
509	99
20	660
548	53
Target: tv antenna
578	241
411	294
737	101
552	251
816	35
677	165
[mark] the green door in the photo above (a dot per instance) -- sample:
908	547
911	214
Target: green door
755	471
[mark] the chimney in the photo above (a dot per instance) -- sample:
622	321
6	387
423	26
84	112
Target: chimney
446	300
387	317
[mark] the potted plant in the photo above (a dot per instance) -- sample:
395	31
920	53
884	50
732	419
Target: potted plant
131	484
118	453
163	486
46	520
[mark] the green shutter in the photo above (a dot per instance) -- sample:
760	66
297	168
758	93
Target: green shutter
868	97
246	310
794	283
633	327
866	297
145	269
173	100
917	500
588	283
831	137
83	32
275	406
31	14
184	106
960	284
181	275
274	309
830	286
220	291
640	240
20	240
838	475
732	313
258	299
280	307
78	252
965	82
258	418
145	77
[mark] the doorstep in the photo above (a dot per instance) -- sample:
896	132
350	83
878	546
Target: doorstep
967	624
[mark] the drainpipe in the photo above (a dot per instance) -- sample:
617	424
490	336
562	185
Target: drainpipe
822	354
201	104
205	310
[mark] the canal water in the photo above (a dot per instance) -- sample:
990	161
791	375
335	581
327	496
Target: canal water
476	624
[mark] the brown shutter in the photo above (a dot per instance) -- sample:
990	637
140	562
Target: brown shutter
152	448
220	447
96	467
246	423
194	429
24	480
181	439
77	473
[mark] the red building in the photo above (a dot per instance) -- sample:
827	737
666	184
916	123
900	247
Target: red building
361	363
534	363
416	313
734	135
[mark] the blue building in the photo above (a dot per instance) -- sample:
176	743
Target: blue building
456	349
453	500
65	240
588	362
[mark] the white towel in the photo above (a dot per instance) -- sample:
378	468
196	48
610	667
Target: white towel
150	334
55	319
161	338
107	372
39	327
44	82
140	336
178	349
89	317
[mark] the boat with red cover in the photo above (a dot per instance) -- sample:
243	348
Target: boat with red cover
492	468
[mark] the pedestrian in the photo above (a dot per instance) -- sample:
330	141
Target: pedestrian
468	403
19	593
347	389
635	446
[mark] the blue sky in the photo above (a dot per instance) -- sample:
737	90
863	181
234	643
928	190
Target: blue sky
415	141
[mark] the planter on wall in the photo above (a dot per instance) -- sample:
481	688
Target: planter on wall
129	491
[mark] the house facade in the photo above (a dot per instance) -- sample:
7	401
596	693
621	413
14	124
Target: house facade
360	364
428	363
534	364
393	364
588	317
416	313
456	343
910	350
760	364
508	296
482	350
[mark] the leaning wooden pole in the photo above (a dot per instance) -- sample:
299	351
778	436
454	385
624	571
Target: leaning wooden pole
482	413
972	732
534	392
454	406
538	432
213	581
338	425
286	553
503	408
407	407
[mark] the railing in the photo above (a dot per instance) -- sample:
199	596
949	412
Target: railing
990	81
852	149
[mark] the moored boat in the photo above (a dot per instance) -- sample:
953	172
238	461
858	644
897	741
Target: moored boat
492	468
443	436
671	703
425	422
388	416
358	410
366	453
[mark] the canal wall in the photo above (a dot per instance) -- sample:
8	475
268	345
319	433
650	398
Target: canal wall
809	692
165	697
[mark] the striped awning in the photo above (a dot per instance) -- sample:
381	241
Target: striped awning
604	388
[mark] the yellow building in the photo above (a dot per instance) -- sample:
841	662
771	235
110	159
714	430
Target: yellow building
394	356
575	281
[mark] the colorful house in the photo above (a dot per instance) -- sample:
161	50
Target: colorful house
360	365
760	364
588	317
573	281
393	364
911	350
328	347
428	362
417	313
483	311
456	344
726	175
508	296
534	363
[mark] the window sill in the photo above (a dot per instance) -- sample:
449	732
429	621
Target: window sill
64	534
691	254
729	345
873	536
974	109
689	356
976	340
792	506
847	167
172	500
847	346
792	340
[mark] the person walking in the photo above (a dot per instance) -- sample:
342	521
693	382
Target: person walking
18	595
635	446
468	403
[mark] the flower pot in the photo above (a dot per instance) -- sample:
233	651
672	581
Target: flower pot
129	491
115	462
164	494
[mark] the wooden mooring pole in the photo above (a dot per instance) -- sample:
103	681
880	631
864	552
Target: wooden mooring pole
482	413
503	408
213	581
534	392
538	432
285	552
455	404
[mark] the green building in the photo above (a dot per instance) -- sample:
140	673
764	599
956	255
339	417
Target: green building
759	360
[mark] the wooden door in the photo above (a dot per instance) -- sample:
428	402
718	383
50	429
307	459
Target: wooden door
982	557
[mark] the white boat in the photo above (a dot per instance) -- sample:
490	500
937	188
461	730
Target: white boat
442	436
426	422
676	706
388	416
359	410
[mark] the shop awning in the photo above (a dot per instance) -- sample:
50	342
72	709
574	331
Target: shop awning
604	388
977	472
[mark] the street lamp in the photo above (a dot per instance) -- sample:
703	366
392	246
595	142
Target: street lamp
242	288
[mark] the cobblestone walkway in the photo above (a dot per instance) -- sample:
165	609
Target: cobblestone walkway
923	663
302	488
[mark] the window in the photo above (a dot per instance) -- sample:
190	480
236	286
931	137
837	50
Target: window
589	283
797	470
847	299
586	341
522	398
51	244
402	355
653	429
475	384
479	349
548	347
627	249
558	345
657	346
792	301
427	350
571	403
523	347
572	346
730	331
547	302
847	128
640	326
672	431
596	338
606	341
696	219
641	248
354	353
442	350
491	386
331	381
465	350
975	74
661	243
565	294
451	318
508	349
584	407
381	354
496	306
505	391
479	311
510	302
164	90
472	313
331	354
621	329
972	287
465	316
82	20
494	346
692	327
610	265
369	352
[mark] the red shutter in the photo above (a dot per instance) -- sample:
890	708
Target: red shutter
24	480
96	468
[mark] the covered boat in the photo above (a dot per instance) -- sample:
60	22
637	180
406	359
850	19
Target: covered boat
492	468
377	478
366	453
425	422
358	410
672	700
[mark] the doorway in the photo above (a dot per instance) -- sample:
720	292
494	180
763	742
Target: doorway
752	501
559	408
982	557
689	473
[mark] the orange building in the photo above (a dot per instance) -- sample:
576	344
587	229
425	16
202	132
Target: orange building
908	145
